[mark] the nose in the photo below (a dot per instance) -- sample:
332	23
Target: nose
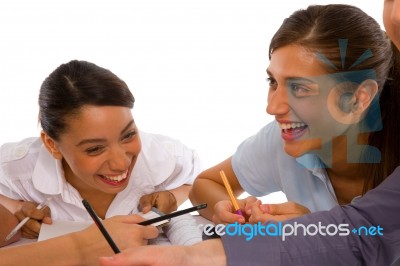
119	159
277	101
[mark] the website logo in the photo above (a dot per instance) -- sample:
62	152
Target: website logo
284	230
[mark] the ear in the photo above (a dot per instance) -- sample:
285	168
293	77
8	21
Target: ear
363	96
51	146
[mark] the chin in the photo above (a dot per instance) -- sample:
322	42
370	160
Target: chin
298	149
294	152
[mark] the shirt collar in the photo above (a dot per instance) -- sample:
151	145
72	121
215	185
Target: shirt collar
314	165
48	175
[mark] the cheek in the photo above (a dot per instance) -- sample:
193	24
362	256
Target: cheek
391	21
83	165
134	147
307	110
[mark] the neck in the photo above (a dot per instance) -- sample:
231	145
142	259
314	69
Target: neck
343	155
99	200
345	166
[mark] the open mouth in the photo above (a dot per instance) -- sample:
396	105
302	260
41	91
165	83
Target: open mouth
115	179
292	131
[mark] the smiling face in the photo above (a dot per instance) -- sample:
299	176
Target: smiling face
391	20
304	99
99	148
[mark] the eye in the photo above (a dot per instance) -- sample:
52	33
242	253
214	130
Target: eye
272	83
129	136
94	150
299	89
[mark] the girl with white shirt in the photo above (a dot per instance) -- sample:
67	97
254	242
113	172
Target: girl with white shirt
90	148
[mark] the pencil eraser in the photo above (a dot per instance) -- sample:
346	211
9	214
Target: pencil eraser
239	212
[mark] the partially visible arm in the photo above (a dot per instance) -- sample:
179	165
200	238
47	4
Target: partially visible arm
10	204
22	209
209	187
7	223
80	248
205	253
379	207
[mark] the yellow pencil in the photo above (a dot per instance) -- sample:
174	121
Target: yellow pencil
230	193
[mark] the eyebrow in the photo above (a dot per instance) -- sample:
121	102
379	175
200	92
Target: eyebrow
86	141
293	78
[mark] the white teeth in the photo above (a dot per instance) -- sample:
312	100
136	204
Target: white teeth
291	125
117	178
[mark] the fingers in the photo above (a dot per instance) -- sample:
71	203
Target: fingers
287	208
128	219
150	232
257	215
46	215
223	213
146	202
36	216
277	212
248	204
29	210
124	231
166	201
163	200
31	229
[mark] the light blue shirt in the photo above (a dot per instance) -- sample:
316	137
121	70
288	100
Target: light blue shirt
262	167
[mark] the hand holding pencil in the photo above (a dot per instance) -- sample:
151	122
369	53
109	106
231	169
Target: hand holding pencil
230	193
31	215
233	200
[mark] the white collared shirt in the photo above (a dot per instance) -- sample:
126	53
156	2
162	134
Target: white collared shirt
28	172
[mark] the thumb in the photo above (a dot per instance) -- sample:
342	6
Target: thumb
47	215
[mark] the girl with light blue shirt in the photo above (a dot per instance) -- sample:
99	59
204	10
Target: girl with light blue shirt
335	109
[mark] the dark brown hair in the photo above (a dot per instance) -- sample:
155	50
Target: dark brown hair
320	28
72	86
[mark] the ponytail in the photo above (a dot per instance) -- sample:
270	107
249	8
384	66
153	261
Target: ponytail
386	139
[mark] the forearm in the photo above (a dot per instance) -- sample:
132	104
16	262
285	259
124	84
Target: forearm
207	191
209	252
8	222
64	250
209	188
379	207
10	204
279	247
83	247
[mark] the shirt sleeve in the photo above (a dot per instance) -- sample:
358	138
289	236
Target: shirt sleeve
379	208
187	165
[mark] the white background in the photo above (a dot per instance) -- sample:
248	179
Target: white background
196	68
